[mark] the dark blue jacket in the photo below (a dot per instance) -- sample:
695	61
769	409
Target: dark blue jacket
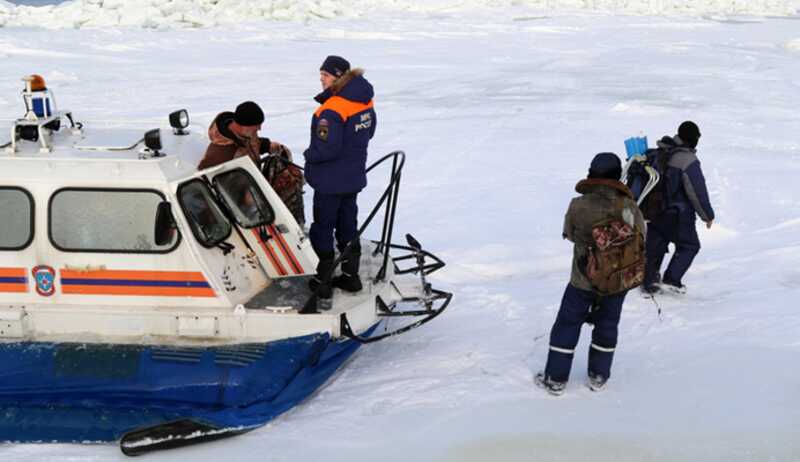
686	185
341	128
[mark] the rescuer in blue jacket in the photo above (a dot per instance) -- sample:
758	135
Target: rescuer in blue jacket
687	198
336	169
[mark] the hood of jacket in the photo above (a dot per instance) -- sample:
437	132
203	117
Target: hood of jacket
591	185
351	86
673	143
219	131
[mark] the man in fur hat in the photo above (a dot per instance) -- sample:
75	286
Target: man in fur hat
336	169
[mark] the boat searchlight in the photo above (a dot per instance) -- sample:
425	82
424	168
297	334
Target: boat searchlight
179	120
152	139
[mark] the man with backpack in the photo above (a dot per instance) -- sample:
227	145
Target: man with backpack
683	196
607	230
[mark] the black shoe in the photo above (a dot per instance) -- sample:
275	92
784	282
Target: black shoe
649	290
551	386
323	291
310	308
596	382
315	304
349	280
348	283
676	289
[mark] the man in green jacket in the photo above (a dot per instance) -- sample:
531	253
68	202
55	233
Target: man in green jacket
603	198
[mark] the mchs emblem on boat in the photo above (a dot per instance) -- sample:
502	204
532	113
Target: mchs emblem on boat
45	278
176	315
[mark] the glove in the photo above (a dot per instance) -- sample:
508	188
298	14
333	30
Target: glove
281	150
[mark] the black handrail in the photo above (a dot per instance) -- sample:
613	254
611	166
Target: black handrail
389	197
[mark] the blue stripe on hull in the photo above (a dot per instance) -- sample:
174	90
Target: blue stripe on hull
11	280
78	393
130	283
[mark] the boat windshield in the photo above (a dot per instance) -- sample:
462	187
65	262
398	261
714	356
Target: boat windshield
208	223
244	199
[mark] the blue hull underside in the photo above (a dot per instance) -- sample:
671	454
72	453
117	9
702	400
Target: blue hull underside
68	392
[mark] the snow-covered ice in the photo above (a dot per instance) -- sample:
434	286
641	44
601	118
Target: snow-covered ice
205	13
500	115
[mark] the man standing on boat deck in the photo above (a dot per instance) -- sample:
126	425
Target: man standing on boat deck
336	169
235	134
606	214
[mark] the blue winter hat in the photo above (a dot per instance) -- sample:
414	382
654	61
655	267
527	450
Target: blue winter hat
605	165
335	66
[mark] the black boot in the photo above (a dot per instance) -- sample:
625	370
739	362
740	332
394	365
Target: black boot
321	285
349	280
323	277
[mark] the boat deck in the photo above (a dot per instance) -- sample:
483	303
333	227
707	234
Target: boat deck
290	294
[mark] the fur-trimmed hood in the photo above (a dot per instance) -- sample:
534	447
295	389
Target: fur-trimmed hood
351	86
348	77
225	145
219	131
593	184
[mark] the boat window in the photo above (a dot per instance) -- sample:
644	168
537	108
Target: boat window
209	225
244	198
106	220
16	226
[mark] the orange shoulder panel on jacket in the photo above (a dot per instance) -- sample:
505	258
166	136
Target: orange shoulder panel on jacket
344	107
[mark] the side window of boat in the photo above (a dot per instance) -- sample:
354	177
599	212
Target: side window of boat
243	197
16	225
208	223
106	220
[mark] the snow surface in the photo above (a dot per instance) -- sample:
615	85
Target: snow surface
500	116
204	13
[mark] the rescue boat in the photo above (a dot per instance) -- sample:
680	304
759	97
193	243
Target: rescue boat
149	303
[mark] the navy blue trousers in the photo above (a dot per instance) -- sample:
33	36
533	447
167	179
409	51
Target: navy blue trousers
333	214
670	228
575	307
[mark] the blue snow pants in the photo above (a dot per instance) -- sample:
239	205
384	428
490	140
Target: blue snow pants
575	310
337	212
680	230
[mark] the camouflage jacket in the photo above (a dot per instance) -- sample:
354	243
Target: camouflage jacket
596	203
